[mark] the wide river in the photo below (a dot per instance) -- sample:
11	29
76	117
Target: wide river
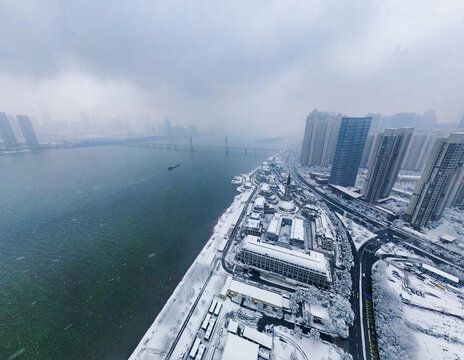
94	240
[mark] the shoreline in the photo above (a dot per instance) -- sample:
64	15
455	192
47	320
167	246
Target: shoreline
159	337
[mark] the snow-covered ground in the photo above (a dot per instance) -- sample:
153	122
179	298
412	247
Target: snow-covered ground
416	317
288	346
396	250
358	233
452	223
395	204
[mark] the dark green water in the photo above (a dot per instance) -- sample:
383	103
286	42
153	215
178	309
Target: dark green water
94	240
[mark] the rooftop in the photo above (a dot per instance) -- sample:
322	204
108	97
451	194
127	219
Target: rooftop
297	232
440	273
262	295
239	348
258	337
314	260
347	191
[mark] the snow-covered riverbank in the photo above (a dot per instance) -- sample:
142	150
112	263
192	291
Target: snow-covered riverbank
159	338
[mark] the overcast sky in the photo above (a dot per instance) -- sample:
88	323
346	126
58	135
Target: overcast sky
238	64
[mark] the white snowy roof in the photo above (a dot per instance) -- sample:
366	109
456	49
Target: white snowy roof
447	237
287	205
274	225
259	201
257	337
255	216
252	224
265	187
319	311
297	231
232	327
314	260
347	191
262	295
239	348
326	225
440	273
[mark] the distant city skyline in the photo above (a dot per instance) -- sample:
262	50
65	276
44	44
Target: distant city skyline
17	132
222	72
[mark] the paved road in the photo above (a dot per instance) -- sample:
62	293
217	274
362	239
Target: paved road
363	336
192	309
398	234
224	265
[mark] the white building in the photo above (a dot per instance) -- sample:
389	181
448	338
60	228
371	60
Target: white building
312	268
239	348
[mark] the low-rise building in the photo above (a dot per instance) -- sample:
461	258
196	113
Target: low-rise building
252	227
239	348
312	268
297	232
234	287
440	274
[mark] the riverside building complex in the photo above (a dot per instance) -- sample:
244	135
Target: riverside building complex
309	268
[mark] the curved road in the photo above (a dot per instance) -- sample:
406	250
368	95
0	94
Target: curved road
363	336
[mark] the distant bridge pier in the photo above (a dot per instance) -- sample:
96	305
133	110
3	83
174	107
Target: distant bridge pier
227	147
191	144
255	152
246	151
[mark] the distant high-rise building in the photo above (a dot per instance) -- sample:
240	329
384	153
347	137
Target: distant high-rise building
461	124
28	131
348	152
368	149
439	183
320	138
6	132
459	198
387	156
418	151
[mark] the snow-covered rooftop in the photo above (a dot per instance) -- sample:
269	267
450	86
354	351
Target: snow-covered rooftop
314	260
259	202
232	327
265	187
319	311
274	225
257	337
447	238
297	231
347	191
239	348
440	273
252	224
262	295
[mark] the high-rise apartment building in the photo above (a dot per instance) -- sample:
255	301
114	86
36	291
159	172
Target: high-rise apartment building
320	137
387	156
28	131
461	124
439	183
348	152
419	149
368	149
6	132
459	198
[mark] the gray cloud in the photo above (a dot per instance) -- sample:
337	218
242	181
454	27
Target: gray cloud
233	63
